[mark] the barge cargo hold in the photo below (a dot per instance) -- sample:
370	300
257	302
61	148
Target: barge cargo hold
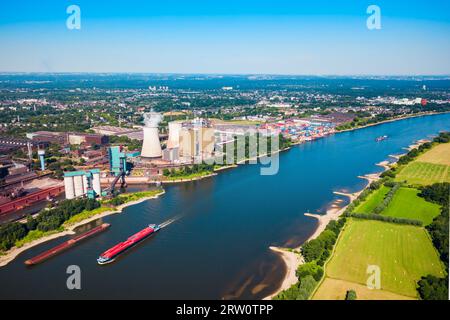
66	245
109	255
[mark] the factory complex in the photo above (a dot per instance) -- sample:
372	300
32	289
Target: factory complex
73	165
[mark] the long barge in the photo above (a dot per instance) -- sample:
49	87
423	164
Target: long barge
110	255
66	245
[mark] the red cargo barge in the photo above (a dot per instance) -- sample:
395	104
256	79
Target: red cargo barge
66	245
109	255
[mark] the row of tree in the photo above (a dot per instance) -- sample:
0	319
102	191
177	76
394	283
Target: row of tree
47	220
363	196
188	170
387	199
319	249
379	217
431	287
299	291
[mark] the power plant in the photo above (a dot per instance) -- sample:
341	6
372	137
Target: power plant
151	147
190	141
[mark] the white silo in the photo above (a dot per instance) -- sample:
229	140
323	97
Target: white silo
79	188
96	183
174	134
85	184
151	147
69	187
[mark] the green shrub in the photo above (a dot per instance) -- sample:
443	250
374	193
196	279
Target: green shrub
433	288
351	295
310	269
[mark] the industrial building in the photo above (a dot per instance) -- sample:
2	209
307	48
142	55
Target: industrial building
190	141
82	183
174	134
49	136
63	138
87	138
196	143
118	159
8	144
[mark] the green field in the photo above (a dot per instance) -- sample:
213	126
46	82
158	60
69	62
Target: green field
404	254
407	204
372	201
440	154
422	173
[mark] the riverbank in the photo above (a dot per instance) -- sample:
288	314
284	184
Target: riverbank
196	178
394	119
292	259
383	164
14	252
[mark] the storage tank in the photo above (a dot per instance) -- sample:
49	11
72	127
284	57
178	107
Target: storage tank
41	154
78	186
96	183
69	187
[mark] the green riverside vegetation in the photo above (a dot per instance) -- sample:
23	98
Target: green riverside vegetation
67	213
384	226
46	221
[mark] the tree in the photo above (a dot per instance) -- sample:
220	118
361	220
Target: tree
437	193
351	295
31	223
433	288
310	269
312	250
328	239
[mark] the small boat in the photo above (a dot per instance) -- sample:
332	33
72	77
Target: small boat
66	245
381	138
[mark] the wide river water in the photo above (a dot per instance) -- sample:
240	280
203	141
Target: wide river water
219	247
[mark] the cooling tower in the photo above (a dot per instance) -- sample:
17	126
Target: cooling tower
174	135
151	147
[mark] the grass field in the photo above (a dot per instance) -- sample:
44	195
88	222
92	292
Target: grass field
407	204
423	173
440	154
404	254
372	201
334	289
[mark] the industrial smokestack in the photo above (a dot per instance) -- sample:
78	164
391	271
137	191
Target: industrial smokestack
151	147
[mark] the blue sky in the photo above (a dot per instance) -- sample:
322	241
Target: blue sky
200	36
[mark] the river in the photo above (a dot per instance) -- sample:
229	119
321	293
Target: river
219	246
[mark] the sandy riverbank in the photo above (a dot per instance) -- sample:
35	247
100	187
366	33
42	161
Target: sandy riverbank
70	230
293	260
